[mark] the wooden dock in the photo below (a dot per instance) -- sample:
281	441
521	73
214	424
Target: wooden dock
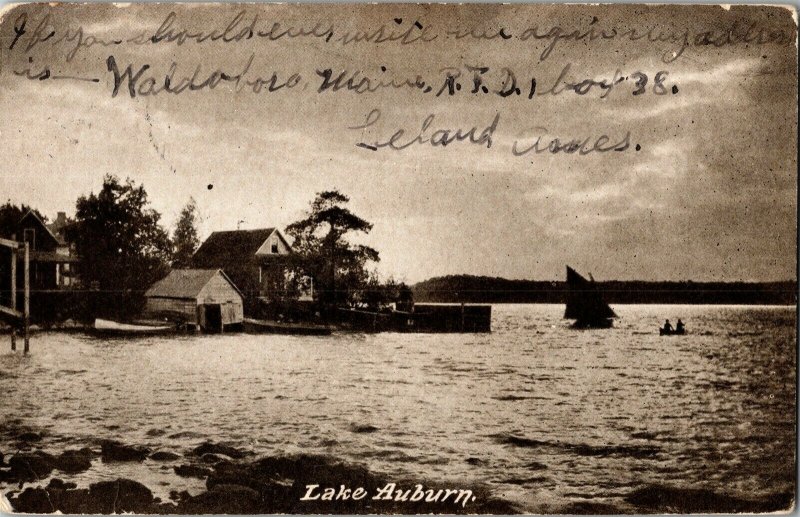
431	317
19	319
423	318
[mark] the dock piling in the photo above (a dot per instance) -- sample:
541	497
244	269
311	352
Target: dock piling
27	312
19	319
14	293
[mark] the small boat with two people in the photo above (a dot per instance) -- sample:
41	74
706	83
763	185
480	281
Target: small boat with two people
585	303
668	330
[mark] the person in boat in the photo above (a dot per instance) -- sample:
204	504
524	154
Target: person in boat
679	326
667	326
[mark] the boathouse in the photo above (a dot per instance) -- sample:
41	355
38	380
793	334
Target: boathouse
205	299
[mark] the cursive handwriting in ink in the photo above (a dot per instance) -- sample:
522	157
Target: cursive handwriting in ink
45	73
359	82
437	138
479	34
46	32
679	38
413	33
236	30
582	145
137	83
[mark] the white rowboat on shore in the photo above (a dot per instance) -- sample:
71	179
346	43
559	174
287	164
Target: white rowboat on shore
115	327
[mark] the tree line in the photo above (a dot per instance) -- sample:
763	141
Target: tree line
484	289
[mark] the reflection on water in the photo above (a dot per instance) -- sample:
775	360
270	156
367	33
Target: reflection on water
542	413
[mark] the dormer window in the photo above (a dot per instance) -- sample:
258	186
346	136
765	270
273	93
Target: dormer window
29	236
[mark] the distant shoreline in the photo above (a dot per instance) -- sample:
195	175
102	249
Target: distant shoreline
761	305
481	289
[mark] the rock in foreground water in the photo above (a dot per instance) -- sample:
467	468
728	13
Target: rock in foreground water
219	448
33	466
192	471
666	499
74	461
164	456
106	497
115	451
122	495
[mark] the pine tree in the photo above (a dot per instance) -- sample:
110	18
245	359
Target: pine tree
322	252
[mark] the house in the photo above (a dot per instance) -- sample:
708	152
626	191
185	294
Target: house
255	260
52	263
205	299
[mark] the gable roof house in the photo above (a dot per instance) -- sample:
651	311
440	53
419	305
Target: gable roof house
203	298
255	260
51	259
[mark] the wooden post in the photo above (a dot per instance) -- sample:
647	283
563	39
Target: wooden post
14	294
27	311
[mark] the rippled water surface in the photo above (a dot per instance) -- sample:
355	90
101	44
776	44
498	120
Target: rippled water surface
542	413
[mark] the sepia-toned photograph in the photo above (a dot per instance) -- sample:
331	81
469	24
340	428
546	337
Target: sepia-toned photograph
398	259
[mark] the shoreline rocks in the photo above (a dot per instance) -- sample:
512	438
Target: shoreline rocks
32	466
279	484
668	499
105	497
164	456
192	471
219	448
74	461
112	450
30	437
267	485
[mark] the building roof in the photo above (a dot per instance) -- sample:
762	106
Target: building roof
231	247
48	232
185	283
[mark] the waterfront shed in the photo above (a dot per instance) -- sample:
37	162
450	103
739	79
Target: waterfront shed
204	298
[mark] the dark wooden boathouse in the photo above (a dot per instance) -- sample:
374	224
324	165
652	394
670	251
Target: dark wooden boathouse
205	299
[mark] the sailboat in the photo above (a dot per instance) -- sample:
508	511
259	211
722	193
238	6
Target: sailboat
585	303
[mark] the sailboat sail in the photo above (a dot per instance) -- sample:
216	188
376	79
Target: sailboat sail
585	302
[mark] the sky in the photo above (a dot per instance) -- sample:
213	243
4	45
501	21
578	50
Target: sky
710	194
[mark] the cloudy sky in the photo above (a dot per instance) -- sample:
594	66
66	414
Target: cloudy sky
711	194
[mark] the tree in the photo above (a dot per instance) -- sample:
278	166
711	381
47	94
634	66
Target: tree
377	295
122	247
338	268
185	236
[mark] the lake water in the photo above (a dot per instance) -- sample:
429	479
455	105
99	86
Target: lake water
545	415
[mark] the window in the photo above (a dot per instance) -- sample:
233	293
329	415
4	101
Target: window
275	247
29	235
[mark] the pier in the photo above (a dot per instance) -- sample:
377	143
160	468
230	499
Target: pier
19	319
423	318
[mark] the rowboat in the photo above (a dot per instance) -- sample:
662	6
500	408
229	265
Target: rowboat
115	328
671	332
255	326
